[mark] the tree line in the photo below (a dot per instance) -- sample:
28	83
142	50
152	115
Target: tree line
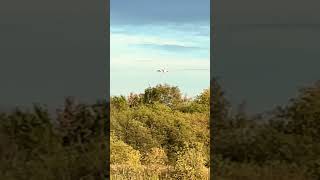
161	134
72	146
282	144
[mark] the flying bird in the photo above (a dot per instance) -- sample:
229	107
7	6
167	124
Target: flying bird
162	70
165	70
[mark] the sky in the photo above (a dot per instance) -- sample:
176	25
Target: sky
51	50
266	50
147	35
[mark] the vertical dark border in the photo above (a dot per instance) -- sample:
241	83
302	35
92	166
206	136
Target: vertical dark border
212	58
107	41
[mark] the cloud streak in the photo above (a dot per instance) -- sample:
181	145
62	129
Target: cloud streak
125	39
159	35
170	47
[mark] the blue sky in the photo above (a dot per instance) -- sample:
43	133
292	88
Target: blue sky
146	35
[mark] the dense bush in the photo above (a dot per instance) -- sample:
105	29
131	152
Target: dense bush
158	124
282	145
161	135
35	146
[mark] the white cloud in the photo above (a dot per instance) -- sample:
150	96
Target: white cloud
135	66
170	34
118	39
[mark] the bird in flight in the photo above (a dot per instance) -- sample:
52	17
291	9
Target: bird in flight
162	70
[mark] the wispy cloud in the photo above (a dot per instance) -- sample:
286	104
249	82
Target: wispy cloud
188	32
125	39
137	51
170	47
172	38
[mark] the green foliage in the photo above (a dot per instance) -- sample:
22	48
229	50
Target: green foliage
164	94
34	146
156	156
119	102
123	154
190	164
155	125
303	113
160	135
282	146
